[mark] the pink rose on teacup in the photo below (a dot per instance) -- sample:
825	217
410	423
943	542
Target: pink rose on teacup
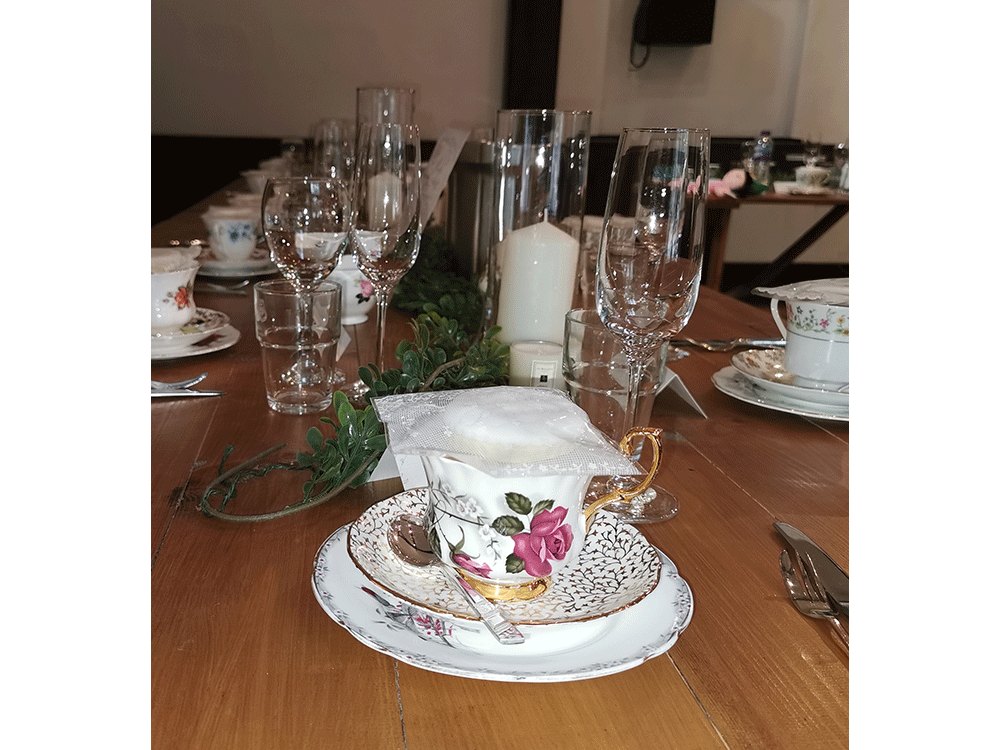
462	560
548	539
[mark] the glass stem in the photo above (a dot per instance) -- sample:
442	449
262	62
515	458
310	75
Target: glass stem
382	308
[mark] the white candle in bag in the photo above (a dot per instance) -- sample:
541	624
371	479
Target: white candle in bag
537	280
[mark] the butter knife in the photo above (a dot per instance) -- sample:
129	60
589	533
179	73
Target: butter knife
834	580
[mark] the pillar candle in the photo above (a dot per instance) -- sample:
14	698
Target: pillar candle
537	280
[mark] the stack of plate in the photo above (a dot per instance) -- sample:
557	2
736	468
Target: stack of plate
618	604
258	264
208	331
759	377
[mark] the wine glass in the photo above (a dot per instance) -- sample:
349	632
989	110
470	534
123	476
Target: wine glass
649	262
333	149
306	222
385	233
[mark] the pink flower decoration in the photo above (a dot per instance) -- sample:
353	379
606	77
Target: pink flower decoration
464	561
548	539
366	288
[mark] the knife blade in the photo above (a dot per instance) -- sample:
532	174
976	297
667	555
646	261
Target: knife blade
180	393
833	578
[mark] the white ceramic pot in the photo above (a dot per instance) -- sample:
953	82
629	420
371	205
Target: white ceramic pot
358	294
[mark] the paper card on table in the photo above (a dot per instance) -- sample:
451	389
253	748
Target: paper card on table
409	469
343	341
674	392
435	175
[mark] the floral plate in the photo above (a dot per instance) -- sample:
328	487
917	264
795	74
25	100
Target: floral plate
258	264
204	323
550	653
733	383
616	568
766	368
221	339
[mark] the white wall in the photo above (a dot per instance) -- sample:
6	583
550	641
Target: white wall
267	68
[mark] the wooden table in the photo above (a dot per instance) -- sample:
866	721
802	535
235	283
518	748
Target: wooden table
244	657
720	210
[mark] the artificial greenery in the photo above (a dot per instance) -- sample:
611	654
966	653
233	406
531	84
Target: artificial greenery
435	284
443	355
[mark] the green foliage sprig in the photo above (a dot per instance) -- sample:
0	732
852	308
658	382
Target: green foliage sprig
442	356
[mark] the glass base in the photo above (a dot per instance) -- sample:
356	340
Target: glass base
356	394
299	402
653	505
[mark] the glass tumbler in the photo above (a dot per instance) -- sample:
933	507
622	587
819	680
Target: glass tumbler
277	320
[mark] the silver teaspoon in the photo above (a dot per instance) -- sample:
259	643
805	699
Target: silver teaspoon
408	540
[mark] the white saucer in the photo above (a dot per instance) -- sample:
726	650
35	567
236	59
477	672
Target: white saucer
616	568
221	339
204	323
735	384
258	264
550	653
766	368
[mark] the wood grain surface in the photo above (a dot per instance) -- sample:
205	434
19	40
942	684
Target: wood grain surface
244	657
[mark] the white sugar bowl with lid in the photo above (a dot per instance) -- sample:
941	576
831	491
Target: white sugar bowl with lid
816	329
508	470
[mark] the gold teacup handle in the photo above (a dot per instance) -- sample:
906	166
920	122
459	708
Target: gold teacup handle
625	494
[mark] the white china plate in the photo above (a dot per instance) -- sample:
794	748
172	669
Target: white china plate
258	264
550	653
204	323
733	383
766	368
616	568
221	339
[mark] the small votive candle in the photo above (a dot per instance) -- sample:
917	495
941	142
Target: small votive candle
536	363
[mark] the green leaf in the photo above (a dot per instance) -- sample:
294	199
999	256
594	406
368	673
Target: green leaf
514	564
542	505
507	525
518	503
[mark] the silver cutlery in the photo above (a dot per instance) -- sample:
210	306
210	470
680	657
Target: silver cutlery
183	393
727	345
408	540
156	385
831	577
809	596
211	287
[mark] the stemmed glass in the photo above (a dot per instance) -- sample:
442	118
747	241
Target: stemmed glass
306	222
385	235
649	262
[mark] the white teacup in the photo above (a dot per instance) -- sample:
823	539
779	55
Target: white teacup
358	293
232	231
507	536
172	272
256	179
816	341
811	177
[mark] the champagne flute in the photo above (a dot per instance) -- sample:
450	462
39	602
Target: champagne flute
306	222
649	262
385	233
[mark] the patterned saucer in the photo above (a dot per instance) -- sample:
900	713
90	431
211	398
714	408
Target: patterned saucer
204	323
766	368
258	264
616	568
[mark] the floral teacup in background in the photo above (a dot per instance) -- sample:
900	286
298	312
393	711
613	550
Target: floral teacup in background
172	272
232	231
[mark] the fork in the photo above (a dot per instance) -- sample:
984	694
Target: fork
809	596
156	385
720	345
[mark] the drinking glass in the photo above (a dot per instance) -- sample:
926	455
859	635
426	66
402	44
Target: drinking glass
649	261
306	222
333	149
385	234
384	106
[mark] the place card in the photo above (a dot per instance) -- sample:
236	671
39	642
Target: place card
434	175
673	391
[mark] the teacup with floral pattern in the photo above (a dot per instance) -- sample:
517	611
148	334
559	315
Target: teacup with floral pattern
172	272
